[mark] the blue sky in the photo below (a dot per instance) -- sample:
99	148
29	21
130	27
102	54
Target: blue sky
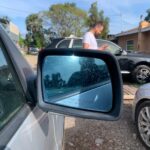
123	14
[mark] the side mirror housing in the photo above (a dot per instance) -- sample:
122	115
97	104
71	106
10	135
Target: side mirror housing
79	82
119	52
124	52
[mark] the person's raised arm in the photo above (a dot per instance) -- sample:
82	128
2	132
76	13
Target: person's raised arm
103	47
86	45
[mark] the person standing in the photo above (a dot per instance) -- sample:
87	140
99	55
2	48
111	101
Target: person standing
89	39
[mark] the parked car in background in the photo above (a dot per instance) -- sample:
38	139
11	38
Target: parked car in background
33	50
141	113
136	65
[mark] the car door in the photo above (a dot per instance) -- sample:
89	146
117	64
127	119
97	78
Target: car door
125	63
23	126
121	56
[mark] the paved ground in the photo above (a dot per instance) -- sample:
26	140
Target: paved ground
83	134
32	60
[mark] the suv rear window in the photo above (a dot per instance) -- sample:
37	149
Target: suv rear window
77	43
64	44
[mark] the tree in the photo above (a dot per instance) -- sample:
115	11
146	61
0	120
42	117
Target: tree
147	18
35	35
4	20
94	16
67	19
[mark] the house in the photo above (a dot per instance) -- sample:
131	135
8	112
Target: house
11	29
136	39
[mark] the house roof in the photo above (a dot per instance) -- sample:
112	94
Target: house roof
133	31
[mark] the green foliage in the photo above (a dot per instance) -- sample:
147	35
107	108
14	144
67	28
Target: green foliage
147	18
4	20
94	16
61	20
35	35
33	23
39	39
21	41
67	19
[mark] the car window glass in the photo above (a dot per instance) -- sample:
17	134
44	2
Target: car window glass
11	97
77	43
112	48
64	44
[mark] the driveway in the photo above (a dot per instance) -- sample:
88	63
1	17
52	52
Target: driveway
84	134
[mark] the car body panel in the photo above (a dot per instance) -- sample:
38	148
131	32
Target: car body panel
39	131
142	94
130	61
36	129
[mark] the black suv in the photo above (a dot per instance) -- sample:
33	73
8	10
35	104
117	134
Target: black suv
137	65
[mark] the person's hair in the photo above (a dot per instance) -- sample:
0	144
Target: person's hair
101	23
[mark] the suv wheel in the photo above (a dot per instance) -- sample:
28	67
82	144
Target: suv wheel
141	74
142	120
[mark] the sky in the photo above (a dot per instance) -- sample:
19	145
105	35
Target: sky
124	15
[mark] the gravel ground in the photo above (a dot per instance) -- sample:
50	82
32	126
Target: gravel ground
83	134
32	60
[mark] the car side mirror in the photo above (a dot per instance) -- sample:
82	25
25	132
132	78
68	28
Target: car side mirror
82	83
124	52
119	52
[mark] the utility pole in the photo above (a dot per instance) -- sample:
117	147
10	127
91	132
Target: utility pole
139	33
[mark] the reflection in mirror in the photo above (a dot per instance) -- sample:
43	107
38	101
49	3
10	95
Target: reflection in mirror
77	82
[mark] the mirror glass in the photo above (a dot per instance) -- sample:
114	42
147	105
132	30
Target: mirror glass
77	82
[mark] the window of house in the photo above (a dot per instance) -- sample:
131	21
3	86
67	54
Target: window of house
130	45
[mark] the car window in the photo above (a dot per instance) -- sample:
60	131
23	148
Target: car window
11	96
64	44
113	48
77	43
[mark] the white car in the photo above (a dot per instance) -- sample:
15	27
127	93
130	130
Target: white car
141	114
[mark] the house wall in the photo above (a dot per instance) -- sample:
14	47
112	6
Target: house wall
145	42
122	41
14	29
